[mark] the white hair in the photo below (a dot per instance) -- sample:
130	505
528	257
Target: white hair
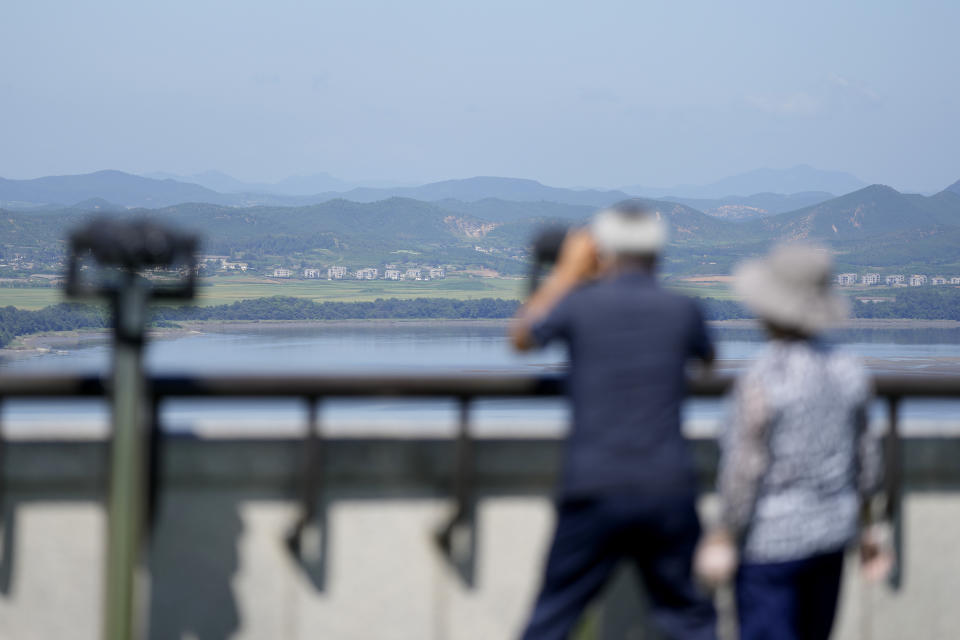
631	232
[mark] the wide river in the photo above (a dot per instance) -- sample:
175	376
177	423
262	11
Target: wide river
412	347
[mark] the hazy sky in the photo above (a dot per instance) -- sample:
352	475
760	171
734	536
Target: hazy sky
570	93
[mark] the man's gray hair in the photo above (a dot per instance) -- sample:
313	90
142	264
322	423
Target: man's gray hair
629	228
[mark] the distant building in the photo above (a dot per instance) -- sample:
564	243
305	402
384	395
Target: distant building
370	273
412	274
917	280
894	279
938	280
955	280
226	265
870	278
336	273
282	273
392	274
311	274
846	279
437	273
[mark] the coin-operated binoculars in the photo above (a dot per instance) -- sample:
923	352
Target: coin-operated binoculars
546	250
128	264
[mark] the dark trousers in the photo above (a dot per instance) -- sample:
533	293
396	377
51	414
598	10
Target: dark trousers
794	600
592	535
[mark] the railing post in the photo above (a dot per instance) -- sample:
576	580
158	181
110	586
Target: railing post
7	518
154	475
307	539
457	538
893	457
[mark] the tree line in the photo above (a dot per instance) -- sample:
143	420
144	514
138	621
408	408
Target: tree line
926	303
59	317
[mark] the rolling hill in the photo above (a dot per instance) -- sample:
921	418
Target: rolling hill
292	186
792	180
129	190
758	205
483	187
872	211
489	233
872	226
115	186
505	211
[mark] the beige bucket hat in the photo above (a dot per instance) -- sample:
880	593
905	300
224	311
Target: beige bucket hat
791	288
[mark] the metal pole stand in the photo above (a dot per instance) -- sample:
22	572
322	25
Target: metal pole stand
121	251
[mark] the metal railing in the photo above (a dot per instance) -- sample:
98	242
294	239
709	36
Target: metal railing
456	537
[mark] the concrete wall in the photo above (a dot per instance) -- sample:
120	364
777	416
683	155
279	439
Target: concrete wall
220	569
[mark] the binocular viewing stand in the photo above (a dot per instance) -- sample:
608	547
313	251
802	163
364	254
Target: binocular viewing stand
123	263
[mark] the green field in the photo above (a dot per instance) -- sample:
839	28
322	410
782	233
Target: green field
720	291
30	298
224	290
216	291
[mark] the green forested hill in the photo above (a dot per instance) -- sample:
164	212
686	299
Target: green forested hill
873	227
492	234
752	207
872	211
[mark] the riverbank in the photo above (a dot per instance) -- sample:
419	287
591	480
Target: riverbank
853	323
62	341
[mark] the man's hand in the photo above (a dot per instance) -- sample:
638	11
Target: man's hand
578	257
577	263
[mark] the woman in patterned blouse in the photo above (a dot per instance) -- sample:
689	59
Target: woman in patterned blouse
798	462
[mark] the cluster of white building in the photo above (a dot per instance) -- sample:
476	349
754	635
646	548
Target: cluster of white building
224	262
895	280
431	273
368	273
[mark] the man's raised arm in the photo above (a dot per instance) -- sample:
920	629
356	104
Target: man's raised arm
577	263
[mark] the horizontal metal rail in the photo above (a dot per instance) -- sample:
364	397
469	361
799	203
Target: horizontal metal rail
433	385
460	525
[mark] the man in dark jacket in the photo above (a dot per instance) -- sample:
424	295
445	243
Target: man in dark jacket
627	486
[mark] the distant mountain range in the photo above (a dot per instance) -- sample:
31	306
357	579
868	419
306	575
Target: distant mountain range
115	186
292	186
754	194
479	188
872	227
795	180
129	190
445	222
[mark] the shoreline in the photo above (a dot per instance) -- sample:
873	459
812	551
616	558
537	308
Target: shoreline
852	323
39	343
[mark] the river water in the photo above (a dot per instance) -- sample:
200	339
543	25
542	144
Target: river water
411	347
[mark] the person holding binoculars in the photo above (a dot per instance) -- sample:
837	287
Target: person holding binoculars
627	487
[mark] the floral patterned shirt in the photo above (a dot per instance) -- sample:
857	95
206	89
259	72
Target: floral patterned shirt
797	456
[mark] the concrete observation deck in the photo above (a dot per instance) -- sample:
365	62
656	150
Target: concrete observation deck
220	569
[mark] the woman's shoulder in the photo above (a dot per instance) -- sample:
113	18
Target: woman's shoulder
844	361
791	358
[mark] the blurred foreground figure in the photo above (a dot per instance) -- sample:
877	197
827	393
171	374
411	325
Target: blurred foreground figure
627	486
797	459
